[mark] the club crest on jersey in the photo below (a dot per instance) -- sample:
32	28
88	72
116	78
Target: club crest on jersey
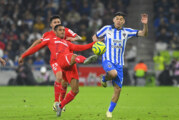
109	66
124	34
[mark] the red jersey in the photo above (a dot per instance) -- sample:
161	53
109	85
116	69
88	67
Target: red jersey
68	33
58	47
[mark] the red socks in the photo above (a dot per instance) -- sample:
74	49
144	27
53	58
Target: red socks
57	87
69	97
80	59
62	92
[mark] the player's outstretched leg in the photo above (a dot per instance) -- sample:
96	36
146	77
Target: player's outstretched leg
81	59
91	59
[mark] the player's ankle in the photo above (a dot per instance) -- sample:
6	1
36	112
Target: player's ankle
103	79
60	106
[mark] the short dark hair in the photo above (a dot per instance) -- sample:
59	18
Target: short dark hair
120	14
56	26
54	17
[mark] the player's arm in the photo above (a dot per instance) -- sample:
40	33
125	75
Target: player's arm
95	37
31	51
71	36
77	37
34	44
75	47
2	61
99	36
144	20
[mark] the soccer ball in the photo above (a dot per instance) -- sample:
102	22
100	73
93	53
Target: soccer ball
99	48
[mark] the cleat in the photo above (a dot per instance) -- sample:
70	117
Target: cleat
59	110
104	84
109	114
91	59
63	109
54	106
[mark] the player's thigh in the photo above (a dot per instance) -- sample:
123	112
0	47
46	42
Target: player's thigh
109	68
59	76
72	73
73	56
55	67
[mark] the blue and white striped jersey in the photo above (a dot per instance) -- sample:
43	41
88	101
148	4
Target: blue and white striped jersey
115	41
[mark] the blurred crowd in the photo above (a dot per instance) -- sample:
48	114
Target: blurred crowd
166	59
24	21
166	23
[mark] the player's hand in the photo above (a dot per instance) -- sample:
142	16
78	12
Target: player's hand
144	18
21	60
3	62
70	38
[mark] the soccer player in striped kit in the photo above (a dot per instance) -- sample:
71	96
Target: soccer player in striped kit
116	37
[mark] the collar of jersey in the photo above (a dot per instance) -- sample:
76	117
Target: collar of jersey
113	27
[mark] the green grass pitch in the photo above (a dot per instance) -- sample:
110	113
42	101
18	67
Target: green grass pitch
135	103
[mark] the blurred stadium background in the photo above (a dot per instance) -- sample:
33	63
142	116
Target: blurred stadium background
23	21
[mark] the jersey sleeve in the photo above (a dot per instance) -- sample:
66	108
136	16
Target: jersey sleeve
131	32
36	48
102	32
69	33
44	36
74	47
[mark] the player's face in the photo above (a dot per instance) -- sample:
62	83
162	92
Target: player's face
60	32
119	21
55	22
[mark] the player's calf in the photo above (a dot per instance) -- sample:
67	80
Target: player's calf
103	81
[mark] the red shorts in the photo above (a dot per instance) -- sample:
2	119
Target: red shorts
55	67
64	61
69	71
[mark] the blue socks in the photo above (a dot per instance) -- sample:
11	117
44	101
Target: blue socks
112	106
103	79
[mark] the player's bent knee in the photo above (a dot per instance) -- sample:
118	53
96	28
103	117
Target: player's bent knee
59	80
75	55
112	74
76	91
64	84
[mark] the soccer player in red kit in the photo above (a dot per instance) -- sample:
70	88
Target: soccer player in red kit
61	50
59	88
